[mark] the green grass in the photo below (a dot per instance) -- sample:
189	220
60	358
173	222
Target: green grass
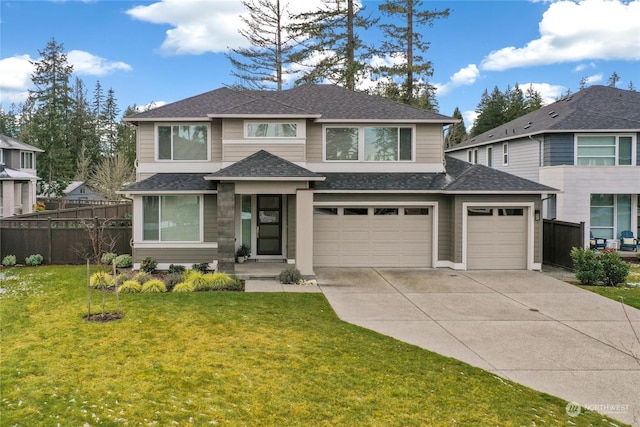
230	358
629	294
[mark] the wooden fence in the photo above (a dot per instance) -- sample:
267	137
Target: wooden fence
64	237
58	203
559	237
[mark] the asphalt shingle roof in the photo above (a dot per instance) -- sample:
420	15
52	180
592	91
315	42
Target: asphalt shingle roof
324	102
171	182
263	164
593	108
8	143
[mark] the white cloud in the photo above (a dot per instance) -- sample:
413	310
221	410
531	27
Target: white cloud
15	78
594	79
469	117
582	67
550	93
87	64
597	29
150	106
464	77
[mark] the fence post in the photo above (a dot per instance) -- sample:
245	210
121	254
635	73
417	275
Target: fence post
49	241
582	245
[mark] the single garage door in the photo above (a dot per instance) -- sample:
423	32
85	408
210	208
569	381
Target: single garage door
496	238
372	236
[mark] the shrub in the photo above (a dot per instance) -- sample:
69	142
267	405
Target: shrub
108	257
130	287
290	276
124	261
184	287
235	284
173	268
219	281
120	279
101	280
148	265
154	286
33	260
171	280
9	261
201	282
587	267
615	269
142	277
203	267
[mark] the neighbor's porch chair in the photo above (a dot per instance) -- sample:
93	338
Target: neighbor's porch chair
628	241
596	242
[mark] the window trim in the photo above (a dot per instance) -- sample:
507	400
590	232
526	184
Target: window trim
245	127
489	155
170	242
617	136
29	154
505	154
1	156
361	142
172	124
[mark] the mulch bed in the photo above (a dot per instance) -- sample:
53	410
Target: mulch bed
106	317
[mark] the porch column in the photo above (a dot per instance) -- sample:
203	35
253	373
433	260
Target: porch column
304	232
7	198
226	201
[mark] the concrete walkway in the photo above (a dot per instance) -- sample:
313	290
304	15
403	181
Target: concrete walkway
524	326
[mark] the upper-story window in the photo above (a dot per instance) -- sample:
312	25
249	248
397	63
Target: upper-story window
604	150
183	142
369	144
271	130
1	156
505	154
26	160
489	156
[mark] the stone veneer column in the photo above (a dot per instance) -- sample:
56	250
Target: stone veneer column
226	227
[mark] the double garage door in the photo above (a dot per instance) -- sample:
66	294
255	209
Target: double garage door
497	238
373	236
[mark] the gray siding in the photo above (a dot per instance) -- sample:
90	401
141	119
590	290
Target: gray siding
445	229
314	142
429	143
559	149
638	153
210	218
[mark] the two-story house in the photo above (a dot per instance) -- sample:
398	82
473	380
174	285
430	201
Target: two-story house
317	176
586	145
17	177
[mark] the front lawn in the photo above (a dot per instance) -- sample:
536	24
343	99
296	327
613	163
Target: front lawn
230	358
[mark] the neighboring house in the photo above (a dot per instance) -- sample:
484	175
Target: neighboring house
321	176
80	190
17	177
586	145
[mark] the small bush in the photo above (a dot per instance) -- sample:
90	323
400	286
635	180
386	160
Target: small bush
173	268
184	287
101	280
9	261
120	279
200	281
148	265
587	267
219	281
614	268
33	260
107	258
290	276
203	267
154	286
124	261
171	280
130	287
235	284
142	277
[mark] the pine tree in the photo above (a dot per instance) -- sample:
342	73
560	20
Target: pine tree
80	129
9	122
491	112
613	79
631	87
457	131
534	99
51	104
127	137
110	120
333	50
263	64
405	40
516	103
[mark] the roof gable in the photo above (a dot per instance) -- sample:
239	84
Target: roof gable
264	165
8	143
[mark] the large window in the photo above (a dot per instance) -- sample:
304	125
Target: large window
26	160
272	130
183	142
171	218
603	150
370	144
610	214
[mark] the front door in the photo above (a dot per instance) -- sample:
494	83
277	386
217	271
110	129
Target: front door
269	231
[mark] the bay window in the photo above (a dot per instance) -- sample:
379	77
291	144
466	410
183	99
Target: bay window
604	150
369	144
183	142
174	218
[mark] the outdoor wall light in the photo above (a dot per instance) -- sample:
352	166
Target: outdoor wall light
537	214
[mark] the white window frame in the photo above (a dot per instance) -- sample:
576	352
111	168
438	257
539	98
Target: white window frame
475	156
172	124
617	137
173	242
361	147
470	156
32	161
268	122
505	154
489	154
1	156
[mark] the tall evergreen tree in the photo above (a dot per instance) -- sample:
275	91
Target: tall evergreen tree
491	112
457	131
613	79
404	39
80	128
631	87
9	122
516	103
110	120
534	99
263	64
332	48
127	137
52	103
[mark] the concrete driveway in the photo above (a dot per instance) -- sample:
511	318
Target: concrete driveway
521	325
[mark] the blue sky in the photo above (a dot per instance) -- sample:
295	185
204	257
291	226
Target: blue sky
163	51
